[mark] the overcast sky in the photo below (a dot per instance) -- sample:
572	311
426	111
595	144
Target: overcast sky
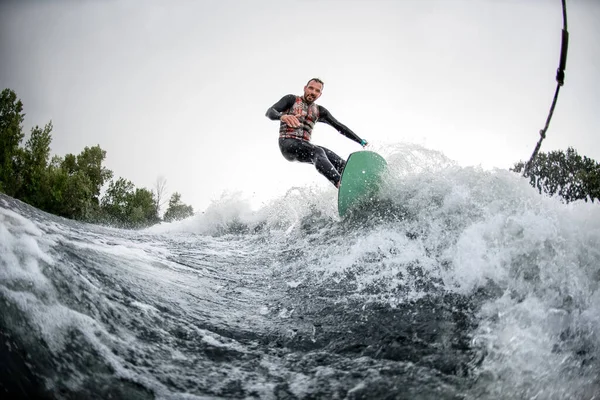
179	88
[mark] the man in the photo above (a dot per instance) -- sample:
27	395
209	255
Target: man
298	116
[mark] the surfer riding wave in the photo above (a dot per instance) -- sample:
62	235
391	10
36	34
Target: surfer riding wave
298	116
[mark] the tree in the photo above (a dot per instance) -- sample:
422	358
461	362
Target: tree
114	202
69	164
89	161
33	188
72	195
11	135
141	208
177	210
57	182
567	174
160	189
126	206
75	184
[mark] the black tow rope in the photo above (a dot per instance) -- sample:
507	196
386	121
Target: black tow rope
560	79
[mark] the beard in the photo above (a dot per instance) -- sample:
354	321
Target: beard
309	98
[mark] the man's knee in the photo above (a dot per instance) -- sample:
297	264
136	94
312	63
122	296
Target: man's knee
319	153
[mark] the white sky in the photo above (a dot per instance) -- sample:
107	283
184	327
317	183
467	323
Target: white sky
179	88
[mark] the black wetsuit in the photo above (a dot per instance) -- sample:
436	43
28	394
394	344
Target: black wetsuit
294	143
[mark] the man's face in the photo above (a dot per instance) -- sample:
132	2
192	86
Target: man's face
312	91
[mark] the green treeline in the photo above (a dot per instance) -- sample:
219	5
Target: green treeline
71	186
564	173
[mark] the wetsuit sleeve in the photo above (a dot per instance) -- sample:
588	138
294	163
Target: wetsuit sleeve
326	117
276	111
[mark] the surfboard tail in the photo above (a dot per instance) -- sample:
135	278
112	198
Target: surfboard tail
360	180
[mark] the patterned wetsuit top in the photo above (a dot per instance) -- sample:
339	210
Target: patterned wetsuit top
309	114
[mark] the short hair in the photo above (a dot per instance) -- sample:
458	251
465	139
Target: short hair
316	80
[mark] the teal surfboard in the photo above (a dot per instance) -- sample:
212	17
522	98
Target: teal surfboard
360	180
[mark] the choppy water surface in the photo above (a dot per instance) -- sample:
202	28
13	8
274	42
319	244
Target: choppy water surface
459	284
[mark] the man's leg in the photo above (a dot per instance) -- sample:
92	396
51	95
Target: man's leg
338	162
303	151
325	167
296	150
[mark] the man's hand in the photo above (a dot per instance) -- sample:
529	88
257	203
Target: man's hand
291	120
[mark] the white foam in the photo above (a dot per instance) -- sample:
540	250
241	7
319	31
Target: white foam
23	253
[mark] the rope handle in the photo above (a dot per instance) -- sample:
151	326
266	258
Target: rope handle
560	79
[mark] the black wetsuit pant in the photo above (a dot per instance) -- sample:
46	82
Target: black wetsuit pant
326	161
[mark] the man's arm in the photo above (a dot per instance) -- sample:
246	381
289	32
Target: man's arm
325	116
277	109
